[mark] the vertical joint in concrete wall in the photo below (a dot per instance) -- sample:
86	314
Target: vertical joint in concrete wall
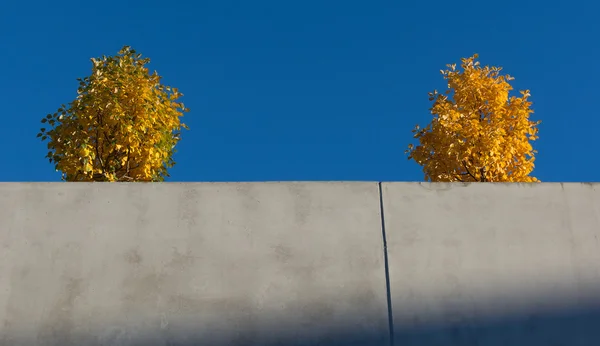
387	271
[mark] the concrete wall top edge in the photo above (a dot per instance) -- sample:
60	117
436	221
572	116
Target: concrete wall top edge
184	185
199	182
491	186
302	182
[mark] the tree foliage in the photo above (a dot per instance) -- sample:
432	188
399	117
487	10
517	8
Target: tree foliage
123	125
478	132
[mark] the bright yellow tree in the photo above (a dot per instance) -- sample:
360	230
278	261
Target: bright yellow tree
123	125
478	132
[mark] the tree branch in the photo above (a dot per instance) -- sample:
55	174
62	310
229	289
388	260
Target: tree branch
98	118
468	172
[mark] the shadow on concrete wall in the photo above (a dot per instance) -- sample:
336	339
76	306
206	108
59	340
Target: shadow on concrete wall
572	327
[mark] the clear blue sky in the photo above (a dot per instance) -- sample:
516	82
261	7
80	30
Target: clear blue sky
305	90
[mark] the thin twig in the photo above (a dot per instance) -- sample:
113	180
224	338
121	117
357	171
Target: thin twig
465	166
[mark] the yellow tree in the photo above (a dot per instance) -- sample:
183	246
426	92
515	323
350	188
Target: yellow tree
123	125
478	132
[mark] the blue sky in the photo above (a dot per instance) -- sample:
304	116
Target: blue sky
304	90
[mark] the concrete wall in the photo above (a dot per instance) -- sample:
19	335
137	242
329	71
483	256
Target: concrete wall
299	264
494	264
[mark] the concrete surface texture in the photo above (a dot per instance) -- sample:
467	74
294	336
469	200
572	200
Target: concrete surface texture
191	264
494	264
316	263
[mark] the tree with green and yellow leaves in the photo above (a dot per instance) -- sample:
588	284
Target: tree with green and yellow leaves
122	126
478	132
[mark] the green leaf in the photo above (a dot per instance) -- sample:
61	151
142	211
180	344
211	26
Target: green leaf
44	138
39	135
48	116
44	120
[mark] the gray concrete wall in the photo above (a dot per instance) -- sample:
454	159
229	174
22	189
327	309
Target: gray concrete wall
299	264
494	264
191	264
